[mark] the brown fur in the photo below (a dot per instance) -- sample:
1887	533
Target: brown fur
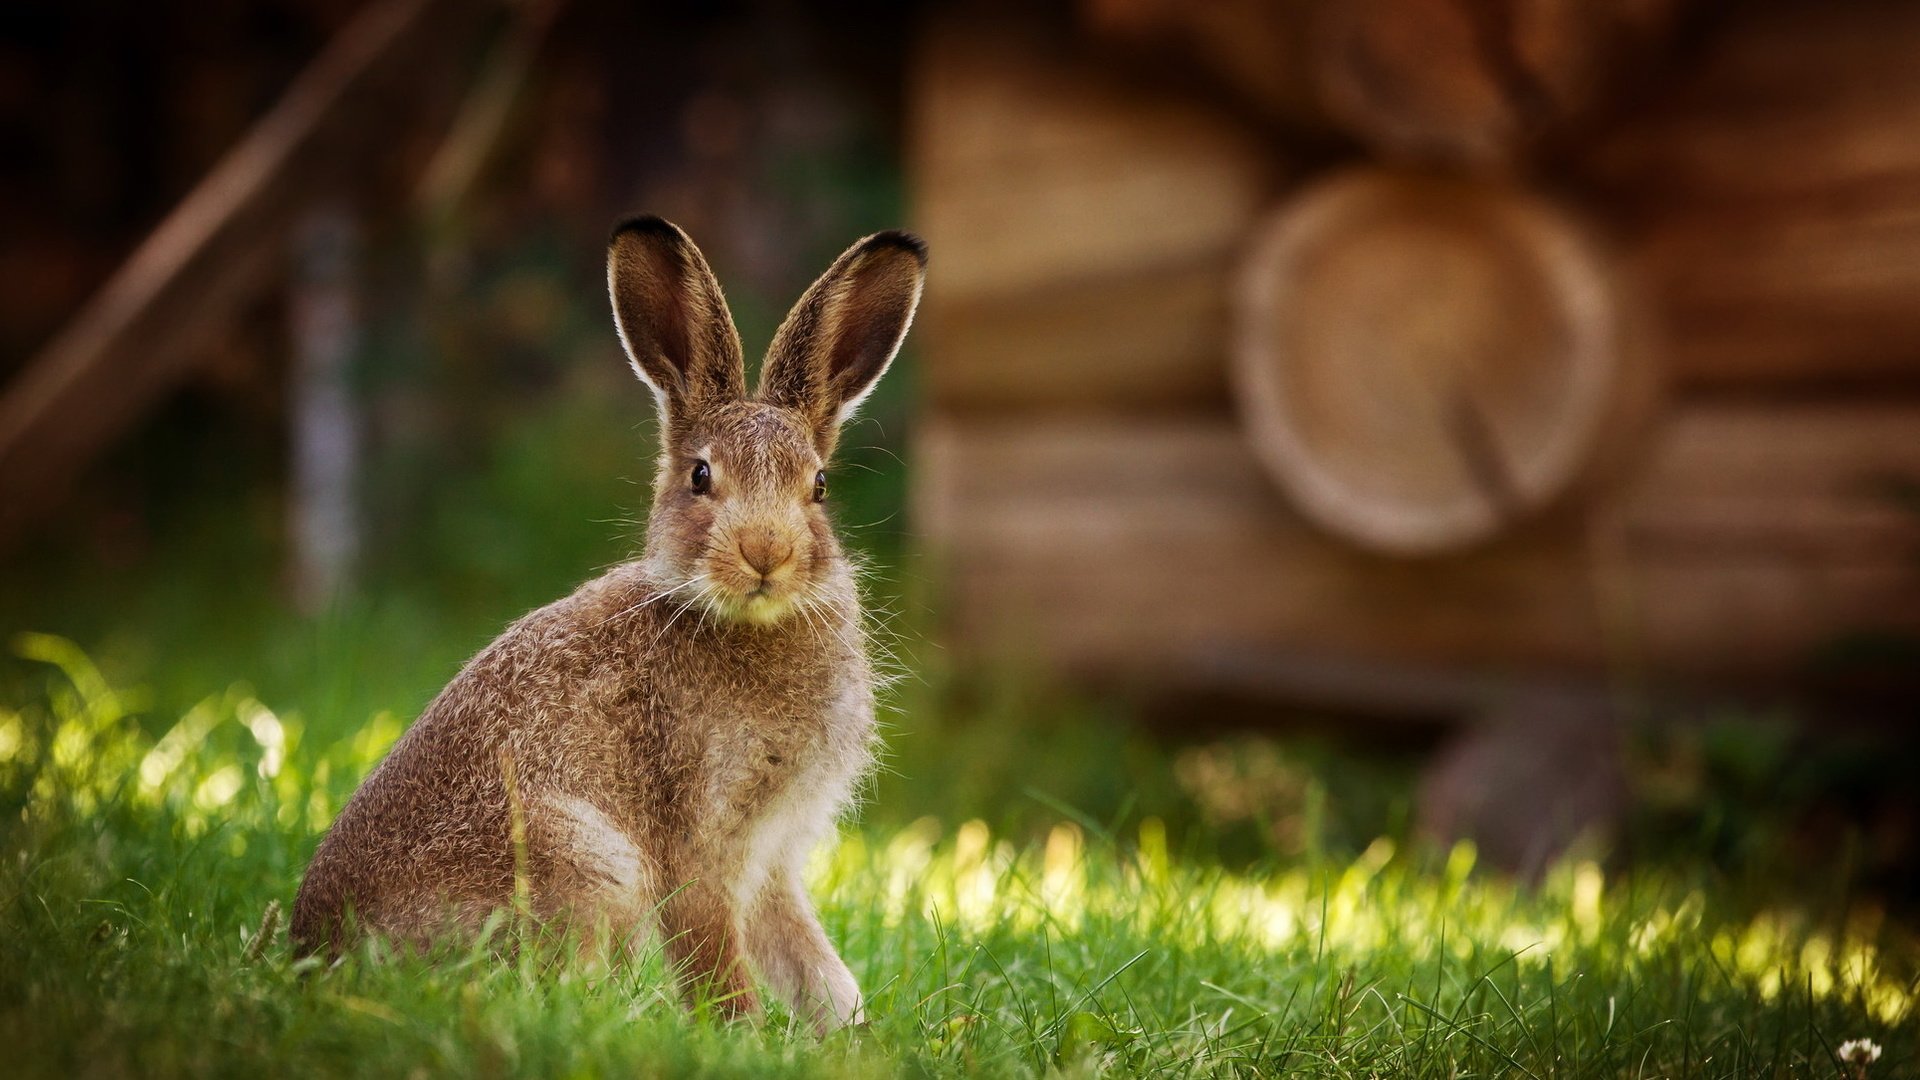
673	738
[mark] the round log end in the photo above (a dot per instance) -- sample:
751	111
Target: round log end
1423	361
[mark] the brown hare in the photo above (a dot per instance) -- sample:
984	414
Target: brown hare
659	751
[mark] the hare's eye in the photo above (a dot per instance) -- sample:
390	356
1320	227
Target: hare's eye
820	486
702	478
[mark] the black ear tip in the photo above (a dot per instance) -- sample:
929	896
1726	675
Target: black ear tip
646	225
902	240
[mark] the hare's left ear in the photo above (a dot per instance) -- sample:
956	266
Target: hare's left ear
672	319
843	333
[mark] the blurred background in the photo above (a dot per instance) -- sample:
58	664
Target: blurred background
1326	419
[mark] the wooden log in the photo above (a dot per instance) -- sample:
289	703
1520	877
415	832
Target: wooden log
1452	80
1422	361
1085	227
137	336
1771	196
1469	80
1752	535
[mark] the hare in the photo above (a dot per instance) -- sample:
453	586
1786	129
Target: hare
659	751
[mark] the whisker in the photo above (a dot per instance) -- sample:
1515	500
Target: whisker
649	600
674	618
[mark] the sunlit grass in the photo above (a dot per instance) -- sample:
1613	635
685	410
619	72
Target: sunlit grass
141	863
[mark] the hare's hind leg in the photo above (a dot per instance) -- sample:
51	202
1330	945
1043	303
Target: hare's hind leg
793	954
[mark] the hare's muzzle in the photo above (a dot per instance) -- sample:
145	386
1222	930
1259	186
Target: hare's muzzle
766	554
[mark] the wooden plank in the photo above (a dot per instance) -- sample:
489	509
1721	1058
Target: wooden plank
136	337
1146	341
1775	299
1085	228
1753	535
1134	209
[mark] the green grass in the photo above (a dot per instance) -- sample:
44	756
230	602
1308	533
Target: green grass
141	858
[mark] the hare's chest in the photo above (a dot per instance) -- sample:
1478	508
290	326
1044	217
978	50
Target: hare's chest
772	757
768	756
789	778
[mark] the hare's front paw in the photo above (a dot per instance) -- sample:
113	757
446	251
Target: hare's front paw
843	1007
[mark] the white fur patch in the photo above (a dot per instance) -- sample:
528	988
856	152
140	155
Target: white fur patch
600	847
802	816
789	830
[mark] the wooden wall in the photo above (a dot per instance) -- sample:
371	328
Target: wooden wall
1090	476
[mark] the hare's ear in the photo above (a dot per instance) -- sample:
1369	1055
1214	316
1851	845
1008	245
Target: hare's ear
844	332
672	318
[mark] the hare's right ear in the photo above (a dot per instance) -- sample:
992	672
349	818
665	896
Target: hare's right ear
840	337
672	318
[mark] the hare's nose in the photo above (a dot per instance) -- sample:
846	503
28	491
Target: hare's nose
765	553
